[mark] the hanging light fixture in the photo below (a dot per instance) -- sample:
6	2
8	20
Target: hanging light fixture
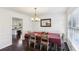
35	18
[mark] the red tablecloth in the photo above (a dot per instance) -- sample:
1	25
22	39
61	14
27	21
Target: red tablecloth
54	38
37	33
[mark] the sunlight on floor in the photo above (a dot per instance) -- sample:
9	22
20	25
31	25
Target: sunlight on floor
19	43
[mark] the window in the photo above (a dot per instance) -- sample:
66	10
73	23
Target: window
73	29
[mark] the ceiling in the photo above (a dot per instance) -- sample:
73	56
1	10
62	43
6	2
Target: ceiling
40	10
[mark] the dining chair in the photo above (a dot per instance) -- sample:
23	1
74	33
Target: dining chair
45	41
32	39
38	42
26	40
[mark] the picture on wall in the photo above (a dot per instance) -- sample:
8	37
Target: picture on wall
45	22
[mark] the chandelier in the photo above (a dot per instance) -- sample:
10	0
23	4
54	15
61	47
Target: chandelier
35	18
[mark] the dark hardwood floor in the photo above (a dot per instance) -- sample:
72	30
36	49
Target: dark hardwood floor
20	45
17	45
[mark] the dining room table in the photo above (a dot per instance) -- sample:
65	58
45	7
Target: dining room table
52	37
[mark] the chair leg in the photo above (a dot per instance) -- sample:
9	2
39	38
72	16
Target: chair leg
47	47
34	45
40	46
29	43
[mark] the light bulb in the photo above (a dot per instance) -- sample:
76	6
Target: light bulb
32	18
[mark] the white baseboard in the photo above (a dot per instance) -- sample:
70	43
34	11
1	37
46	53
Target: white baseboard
70	45
5	46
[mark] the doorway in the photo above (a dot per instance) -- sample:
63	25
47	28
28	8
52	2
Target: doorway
17	27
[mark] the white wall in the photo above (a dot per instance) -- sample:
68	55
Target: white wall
6	25
57	23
